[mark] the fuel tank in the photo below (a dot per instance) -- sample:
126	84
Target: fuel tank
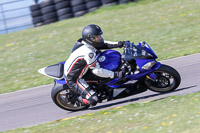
109	59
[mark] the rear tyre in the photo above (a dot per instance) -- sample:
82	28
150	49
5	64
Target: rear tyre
168	79
64	98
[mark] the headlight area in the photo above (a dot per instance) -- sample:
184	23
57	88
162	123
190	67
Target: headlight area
149	65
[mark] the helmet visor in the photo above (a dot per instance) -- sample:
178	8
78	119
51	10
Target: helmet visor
98	38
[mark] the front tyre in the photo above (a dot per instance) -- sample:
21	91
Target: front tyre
168	79
64	98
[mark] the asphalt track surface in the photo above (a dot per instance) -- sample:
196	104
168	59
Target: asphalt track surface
34	106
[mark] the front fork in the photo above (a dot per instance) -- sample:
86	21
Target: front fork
152	76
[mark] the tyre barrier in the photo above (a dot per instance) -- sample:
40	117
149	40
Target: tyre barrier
63	9
123	1
36	15
49	11
77	2
78	7
93	5
62	5
46	3
93	9
109	2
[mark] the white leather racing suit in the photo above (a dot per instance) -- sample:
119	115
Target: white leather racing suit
82	58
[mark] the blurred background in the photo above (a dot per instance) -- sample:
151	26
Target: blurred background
17	15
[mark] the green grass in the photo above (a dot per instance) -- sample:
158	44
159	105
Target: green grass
176	114
171	27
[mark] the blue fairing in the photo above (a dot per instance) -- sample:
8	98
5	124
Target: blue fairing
109	59
62	62
62	81
114	83
142	62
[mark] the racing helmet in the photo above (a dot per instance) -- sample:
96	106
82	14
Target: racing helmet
93	35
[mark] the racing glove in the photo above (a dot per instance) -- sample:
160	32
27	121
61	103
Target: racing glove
122	43
119	74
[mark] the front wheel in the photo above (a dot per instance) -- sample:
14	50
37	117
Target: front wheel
168	79
64	98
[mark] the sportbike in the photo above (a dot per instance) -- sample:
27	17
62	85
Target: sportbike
143	72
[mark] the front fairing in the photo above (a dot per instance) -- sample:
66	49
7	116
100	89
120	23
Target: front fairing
144	46
142	54
141	51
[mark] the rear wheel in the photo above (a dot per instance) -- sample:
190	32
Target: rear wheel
66	99
168	79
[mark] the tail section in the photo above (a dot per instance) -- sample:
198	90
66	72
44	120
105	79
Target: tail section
54	71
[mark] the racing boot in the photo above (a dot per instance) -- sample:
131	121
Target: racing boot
89	101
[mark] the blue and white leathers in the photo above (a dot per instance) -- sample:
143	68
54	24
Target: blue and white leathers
82	58
87	53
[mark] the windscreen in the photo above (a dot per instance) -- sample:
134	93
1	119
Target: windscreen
132	51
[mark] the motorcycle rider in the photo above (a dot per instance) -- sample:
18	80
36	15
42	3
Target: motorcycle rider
83	57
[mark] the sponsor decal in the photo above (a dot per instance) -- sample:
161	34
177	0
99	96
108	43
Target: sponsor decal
102	58
91	55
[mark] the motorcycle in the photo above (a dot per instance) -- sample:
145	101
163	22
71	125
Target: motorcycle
143	73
